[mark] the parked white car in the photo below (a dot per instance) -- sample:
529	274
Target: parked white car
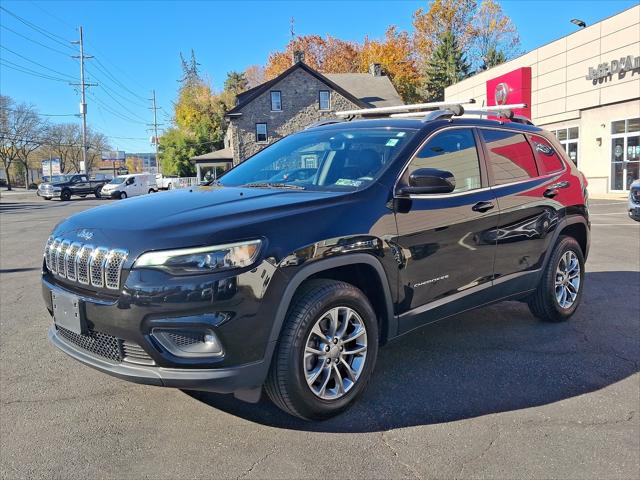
124	186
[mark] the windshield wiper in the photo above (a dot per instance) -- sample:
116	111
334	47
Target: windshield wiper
289	186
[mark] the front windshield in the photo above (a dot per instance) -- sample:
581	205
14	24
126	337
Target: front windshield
118	180
58	179
332	160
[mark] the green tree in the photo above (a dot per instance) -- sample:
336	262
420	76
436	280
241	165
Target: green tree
176	151
236	83
446	66
493	57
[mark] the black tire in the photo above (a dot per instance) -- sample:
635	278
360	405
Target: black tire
96	192
47	198
151	190
543	302
65	195
123	195
286	384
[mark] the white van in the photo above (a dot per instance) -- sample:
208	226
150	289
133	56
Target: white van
124	186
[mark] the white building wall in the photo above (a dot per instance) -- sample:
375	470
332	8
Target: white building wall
561	95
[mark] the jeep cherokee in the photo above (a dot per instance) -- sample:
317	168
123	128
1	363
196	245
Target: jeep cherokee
293	284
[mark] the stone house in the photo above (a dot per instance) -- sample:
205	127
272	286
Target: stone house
292	101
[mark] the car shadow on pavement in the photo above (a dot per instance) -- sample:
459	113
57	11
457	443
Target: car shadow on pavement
496	359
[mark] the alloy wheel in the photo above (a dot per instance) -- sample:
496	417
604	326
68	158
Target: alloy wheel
567	283
335	353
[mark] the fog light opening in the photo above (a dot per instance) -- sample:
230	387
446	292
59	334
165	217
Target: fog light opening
189	342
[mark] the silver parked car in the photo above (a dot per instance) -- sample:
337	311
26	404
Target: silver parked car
634	201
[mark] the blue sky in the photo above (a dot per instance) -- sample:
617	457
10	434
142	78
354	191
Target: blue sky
137	46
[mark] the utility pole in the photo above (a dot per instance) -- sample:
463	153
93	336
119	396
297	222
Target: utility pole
83	102
155	128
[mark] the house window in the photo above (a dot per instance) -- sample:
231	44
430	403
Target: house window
261	132
325	100
276	101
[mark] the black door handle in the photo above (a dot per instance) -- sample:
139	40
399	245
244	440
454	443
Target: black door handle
482	206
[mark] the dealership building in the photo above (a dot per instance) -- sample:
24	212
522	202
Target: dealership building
585	88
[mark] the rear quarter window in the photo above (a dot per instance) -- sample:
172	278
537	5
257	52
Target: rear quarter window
510	156
549	160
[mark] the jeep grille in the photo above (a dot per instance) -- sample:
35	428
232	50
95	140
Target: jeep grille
83	263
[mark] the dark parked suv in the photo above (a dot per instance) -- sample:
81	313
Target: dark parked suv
293	285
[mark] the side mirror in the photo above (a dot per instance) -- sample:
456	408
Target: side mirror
429	180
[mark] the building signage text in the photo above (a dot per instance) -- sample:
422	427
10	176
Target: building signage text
621	66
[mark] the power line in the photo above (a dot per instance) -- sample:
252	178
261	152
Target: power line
52	36
100	66
126	99
44	114
23	69
34	62
34	41
113	112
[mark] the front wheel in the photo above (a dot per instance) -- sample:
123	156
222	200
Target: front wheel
326	353
96	192
123	195
65	195
560	289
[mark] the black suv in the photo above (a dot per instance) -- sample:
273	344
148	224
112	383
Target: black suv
294	284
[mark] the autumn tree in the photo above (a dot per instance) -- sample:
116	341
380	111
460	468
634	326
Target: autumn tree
446	66
478	27
255	75
199	125
395	55
313	47
495	38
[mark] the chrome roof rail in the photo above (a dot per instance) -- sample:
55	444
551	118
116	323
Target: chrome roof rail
384	111
327	121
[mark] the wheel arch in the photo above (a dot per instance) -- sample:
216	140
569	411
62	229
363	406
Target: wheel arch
575	226
353	268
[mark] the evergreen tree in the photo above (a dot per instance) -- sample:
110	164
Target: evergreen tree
236	82
446	66
493	57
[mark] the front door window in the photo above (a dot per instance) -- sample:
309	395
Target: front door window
625	153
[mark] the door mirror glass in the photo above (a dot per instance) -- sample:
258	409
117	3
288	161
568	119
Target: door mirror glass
429	180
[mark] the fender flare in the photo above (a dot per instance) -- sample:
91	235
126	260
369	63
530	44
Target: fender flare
326	264
564	223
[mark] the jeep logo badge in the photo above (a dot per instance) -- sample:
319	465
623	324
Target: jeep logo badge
85	234
501	93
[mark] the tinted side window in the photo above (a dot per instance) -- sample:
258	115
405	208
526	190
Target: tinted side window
510	156
548	159
454	151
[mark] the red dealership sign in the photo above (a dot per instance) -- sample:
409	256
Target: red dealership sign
510	88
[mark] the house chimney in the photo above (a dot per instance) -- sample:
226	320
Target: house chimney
298	56
375	69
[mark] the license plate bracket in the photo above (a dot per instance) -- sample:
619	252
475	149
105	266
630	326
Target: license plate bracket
67	311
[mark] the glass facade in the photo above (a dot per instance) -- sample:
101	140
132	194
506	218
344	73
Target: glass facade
625	153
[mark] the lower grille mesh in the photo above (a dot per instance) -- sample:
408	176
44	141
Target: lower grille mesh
101	344
107	346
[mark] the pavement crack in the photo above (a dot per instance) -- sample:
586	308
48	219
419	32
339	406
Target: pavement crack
394	452
255	464
484	451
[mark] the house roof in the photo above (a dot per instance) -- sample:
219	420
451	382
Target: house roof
223	154
374	91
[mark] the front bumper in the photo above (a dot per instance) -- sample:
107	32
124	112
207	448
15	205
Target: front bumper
49	193
219	380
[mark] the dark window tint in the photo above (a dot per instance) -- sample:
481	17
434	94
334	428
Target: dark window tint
261	132
510	156
454	151
548	159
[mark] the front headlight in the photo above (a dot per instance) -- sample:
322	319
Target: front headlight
190	261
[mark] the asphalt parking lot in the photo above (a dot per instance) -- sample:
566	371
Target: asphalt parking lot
489	394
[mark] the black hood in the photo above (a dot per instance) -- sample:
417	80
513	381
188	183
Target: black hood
189	217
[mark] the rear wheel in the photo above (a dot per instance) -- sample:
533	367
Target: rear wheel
560	289
96	192
326	353
123	195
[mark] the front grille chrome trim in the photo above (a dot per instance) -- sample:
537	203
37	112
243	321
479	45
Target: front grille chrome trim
86	264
